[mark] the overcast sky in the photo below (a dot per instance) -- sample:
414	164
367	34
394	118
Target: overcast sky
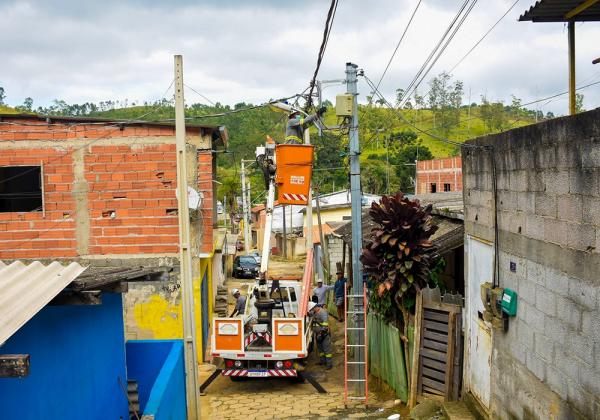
253	51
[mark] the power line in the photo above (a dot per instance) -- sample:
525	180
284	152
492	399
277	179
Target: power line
199	94
484	35
326	32
436	48
399	112
441	51
398	44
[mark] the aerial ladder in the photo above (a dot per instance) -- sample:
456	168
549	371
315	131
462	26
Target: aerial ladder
273	337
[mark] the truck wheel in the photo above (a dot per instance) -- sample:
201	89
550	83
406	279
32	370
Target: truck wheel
236	378
310	346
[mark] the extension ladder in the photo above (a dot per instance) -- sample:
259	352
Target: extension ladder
359	347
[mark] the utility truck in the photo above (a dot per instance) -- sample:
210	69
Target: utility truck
272	337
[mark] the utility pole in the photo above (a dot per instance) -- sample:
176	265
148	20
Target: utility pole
248	230
192	390
245	209
309	220
572	102
356	199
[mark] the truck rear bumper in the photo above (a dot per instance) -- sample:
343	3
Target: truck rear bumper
260	373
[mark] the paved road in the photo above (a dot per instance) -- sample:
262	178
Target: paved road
288	399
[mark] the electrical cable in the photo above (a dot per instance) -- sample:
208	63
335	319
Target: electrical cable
326	32
409	92
398	44
435	49
484	36
199	94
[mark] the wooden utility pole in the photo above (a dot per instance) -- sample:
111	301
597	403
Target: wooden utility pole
185	257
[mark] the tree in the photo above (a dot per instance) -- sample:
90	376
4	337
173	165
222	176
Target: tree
2	95
27	105
404	161
445	99
492	114
579	103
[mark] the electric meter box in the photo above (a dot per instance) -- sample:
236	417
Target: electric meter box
344	105
509	302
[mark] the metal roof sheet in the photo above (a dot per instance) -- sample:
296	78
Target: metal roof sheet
26	289
556	11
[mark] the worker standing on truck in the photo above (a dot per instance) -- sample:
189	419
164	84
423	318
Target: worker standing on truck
240	303
294	130
321	292
320	326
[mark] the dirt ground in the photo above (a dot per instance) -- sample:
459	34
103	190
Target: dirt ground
289	399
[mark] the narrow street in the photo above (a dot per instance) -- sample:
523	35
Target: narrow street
286	398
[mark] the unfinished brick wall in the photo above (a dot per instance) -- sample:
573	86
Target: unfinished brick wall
108	190
445	174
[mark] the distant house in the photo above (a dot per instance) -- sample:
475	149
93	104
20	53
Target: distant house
337	206
63	351
439	175
102	193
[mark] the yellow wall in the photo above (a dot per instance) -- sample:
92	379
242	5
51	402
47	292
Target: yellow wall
159	317
331	215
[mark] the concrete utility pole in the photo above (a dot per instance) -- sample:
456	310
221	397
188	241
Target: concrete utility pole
192	390
248	230
356	199
245	210
309	219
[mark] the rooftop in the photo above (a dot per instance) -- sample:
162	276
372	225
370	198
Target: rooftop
562	11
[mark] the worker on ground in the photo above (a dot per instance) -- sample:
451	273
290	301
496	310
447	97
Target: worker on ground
321	292
339	289
240	303
320	327
294	130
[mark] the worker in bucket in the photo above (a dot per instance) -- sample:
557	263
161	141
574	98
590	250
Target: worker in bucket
320	327
294	130
321	292
240	303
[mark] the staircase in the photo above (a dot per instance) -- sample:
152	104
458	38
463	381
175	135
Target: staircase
134	399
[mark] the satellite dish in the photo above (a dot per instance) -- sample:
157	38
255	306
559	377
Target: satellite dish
194	199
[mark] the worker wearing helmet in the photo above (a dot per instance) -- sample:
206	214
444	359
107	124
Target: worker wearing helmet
294	130
240	303
320	326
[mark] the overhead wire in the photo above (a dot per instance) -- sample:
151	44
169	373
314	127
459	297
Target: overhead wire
483	37
199	94
435	49
398	44
325	40
408	93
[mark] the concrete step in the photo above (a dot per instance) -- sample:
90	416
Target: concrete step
457	410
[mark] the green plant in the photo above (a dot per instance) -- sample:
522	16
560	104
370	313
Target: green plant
399	256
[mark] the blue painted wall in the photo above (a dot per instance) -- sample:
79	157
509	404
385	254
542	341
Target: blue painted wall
77	356
158	366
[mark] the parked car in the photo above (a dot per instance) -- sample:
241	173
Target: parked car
256	255
245	266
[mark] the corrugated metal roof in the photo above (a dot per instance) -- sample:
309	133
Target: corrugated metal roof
556	11
26	289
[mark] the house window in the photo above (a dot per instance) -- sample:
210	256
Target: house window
20	188
433	188
446	187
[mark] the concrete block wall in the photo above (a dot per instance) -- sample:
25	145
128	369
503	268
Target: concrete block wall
439	172
547	365
336	249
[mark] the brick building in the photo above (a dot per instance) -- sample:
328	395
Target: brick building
103	193
439	175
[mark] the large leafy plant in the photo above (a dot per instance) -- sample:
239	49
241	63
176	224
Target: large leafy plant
400	255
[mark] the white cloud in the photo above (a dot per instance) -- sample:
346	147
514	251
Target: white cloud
253	51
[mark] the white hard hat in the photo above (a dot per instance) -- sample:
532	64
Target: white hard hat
234	291
311	306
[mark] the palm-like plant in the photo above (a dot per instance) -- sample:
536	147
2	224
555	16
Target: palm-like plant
400	253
